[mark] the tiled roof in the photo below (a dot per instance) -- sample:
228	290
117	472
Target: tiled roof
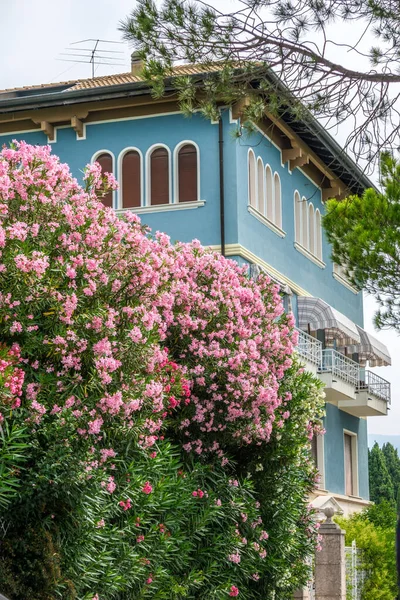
109	80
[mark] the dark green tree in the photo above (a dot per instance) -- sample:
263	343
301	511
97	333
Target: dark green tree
380	482
393	466
364	234
282	55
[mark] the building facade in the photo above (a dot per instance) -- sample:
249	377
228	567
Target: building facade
256	197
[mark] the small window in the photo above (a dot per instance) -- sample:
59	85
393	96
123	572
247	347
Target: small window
314	450
278	201
318	234
269	193
187	173
350	464
304	223
252	180
311	240
159	177
106	163
297	216
260	187
131	185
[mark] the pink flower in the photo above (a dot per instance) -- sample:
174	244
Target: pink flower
147	488
111	485
234	558
140	539
234	591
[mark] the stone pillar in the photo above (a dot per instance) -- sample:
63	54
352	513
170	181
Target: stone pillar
302	594
330	562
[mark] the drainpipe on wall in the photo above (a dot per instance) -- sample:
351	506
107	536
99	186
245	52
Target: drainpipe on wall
221	183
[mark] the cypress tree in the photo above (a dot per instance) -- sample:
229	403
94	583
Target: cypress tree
380	482
393	465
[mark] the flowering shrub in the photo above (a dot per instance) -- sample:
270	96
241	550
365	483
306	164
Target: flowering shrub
120	341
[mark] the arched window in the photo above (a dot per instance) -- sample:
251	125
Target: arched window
159	177
252	180
311	229
106	163
297	217
304	223
269	193
277	201
187	174
318	235
131	179
260	187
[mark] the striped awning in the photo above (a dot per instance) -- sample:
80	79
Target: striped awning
315	314
256	270
370	349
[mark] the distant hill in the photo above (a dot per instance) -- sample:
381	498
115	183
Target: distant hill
384	439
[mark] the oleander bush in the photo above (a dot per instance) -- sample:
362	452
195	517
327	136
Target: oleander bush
156	431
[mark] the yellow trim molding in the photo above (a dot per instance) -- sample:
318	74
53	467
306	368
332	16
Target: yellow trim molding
239	250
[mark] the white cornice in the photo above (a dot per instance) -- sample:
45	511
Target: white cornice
239	250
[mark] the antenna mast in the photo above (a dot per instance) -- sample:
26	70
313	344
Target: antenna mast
94	55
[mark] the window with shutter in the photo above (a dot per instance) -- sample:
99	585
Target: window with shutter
278	201
348	461
252	179
159	177
131	184
106	163
187	173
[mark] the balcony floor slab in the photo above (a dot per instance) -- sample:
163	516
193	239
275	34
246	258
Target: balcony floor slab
336	389
364	405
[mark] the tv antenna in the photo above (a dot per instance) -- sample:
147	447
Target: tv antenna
94	55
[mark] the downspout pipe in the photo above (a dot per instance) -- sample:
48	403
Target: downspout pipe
221	183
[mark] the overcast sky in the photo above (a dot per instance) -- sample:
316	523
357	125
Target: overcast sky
34	34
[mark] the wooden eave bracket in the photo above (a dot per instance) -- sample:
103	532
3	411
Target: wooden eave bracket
49	130
239	107
78	126
336	190
295	156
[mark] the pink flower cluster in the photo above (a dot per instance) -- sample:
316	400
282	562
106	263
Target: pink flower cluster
144	329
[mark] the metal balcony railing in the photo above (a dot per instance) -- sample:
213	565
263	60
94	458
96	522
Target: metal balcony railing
309	348
340	366
375	385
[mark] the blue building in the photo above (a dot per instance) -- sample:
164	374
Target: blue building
257	198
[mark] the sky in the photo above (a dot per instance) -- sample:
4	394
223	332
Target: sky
35	34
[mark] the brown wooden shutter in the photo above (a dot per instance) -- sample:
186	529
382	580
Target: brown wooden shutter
314	450
187	173
131	179
106	163
348	461
159	176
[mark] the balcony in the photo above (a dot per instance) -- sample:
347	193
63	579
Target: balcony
310	349
372	396
340	375
351	388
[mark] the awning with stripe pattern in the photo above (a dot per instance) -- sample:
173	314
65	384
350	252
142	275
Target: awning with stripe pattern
315	313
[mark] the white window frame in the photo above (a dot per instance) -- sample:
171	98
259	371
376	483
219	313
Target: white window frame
148	175
354	457
176	169
252	179
260	193
120	176
277	201
93	160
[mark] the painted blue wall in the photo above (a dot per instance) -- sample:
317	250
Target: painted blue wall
280	252
335	422
204	223
241	227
